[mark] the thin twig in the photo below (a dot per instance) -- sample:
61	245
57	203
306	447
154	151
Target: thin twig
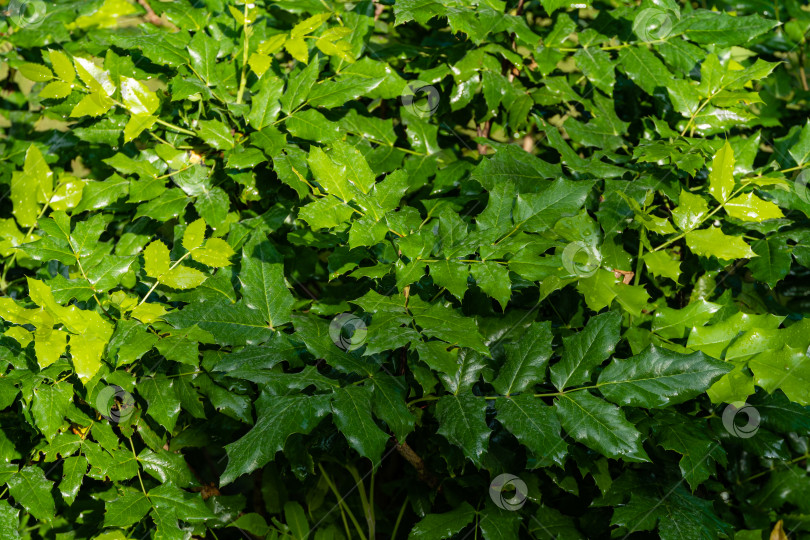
152	17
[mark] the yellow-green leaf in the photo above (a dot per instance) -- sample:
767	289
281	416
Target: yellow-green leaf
56	90
216	253
259	63
194	235
138	99
713	243
94	104
35	72
49	345
136	124
94	77
308	25
86	354
272	45
298	49
156	259
183	277
749	207
721	178
148	313
20	334
62	66
68	194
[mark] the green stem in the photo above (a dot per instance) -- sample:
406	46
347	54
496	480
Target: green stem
341	502
157	281
399	519
246	46
702	221
368	510
642	237
176	128
3	284
132	445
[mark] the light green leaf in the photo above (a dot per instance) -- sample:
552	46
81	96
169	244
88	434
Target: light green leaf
721	174
749	207
713	243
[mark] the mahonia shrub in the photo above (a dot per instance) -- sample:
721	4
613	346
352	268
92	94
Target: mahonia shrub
404	269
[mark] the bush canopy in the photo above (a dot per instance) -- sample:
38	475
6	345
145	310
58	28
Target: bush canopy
425	269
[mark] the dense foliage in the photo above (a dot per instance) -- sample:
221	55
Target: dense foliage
412	268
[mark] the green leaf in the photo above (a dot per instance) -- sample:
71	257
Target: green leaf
586	350
278	418
494	280
193	237
388	404
9	521
216	134
351	410
536	212
526	360
156	259
56	90
163	404
203	52
297	48
438	526
722	29
444	323
62	66
535	425
786	369
691	211
773	260
126	510
330	94
264	287
461	421
73	471
659	378
600	426
230	324
167	206
266	106
49	407
32	490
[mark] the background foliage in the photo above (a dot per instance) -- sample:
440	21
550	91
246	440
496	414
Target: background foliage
320	269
